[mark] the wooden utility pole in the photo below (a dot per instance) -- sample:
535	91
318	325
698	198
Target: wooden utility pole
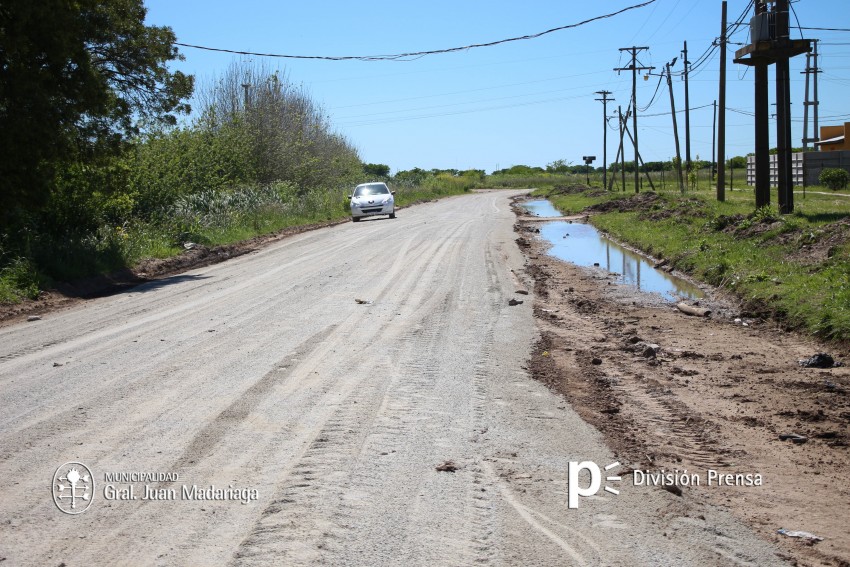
641	162
604	101
687	112
634	69
771	43
784	170
675	131
713	138
623	121
721	118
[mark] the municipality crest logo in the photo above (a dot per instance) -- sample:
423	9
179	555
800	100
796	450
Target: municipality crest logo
73	488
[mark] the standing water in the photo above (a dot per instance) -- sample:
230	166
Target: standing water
583	245
541	208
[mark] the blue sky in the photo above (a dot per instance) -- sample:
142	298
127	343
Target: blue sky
526	102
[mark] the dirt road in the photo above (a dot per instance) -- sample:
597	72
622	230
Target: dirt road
326	418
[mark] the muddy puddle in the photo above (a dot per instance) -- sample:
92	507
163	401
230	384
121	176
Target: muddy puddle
583	245
541	208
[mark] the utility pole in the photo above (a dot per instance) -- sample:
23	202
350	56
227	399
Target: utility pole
687	112
675	129
246	86
721	119
622	146
806	103
634	69
816	133
771	43
811	69
604	101
646	173
783	112
713	138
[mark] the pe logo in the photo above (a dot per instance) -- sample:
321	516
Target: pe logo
73	488
574	488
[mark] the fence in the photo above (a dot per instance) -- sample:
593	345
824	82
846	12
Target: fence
805	166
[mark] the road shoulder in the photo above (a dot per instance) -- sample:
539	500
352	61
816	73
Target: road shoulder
678	393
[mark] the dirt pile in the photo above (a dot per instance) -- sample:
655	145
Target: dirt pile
639	202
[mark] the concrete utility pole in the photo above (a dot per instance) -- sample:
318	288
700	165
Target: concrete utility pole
604	101
634	69
675	129
811	69
816	133
687	112
771	43
721	119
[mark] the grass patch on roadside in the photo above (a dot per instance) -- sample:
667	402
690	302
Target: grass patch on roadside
794	267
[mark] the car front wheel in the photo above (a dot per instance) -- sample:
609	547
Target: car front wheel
392	215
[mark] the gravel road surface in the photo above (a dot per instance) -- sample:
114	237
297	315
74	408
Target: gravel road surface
326	417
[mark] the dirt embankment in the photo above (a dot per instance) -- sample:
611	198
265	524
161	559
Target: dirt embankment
683	393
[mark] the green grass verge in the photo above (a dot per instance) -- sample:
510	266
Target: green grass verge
795	267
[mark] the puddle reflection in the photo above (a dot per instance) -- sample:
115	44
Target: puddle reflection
583	245
541	208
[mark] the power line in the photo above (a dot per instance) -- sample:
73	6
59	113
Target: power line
678	111
634	68
655	94
827	29
417	54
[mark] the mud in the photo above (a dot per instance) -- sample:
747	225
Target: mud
684	393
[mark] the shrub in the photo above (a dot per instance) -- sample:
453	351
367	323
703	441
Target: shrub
18	280
834	178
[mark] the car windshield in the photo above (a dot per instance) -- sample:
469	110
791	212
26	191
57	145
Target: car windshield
374	189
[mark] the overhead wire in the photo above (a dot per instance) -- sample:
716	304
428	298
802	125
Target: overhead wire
826	29
417	54
657	88
678	111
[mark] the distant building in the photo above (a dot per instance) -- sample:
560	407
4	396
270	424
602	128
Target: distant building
834	152
834	138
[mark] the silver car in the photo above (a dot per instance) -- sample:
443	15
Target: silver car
371	199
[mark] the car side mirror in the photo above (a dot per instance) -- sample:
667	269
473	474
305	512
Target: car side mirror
393	192
349	196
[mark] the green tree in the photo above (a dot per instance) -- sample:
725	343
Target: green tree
76	79
376	169
289	135
558	166
738	162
